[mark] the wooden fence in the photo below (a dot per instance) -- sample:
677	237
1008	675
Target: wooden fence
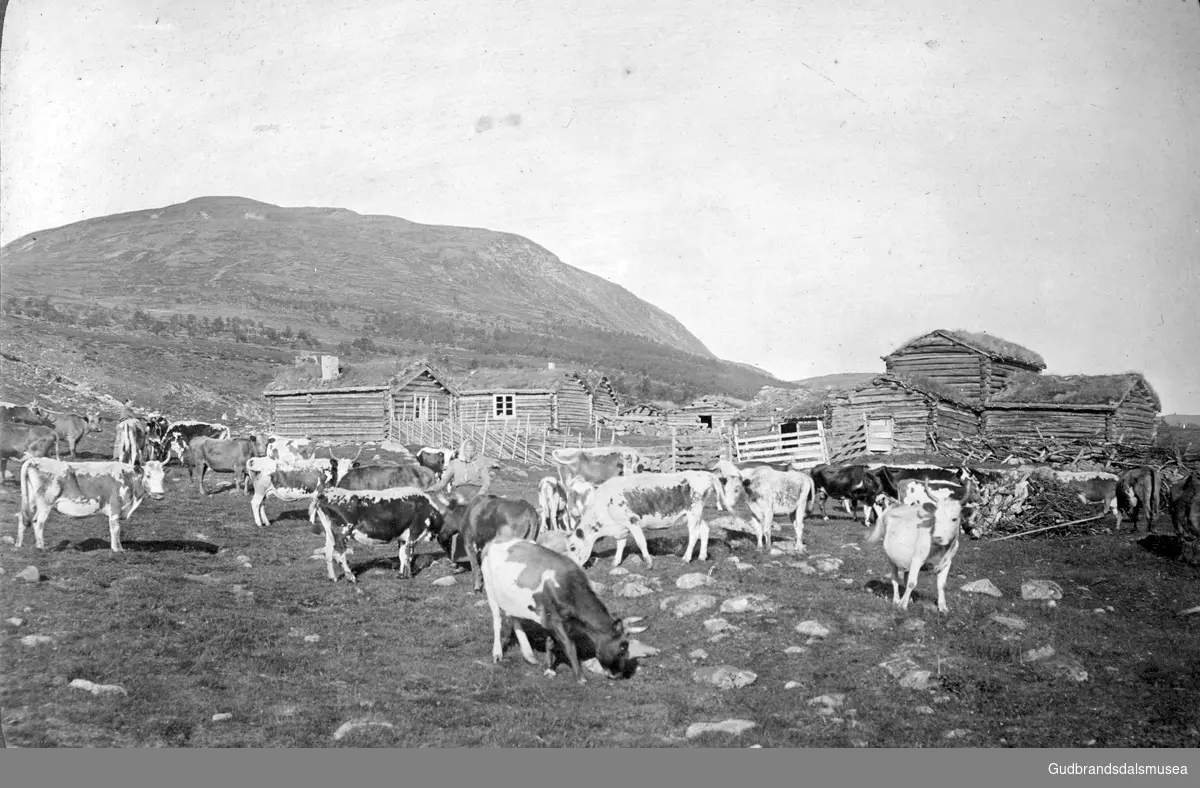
808	447
695	452
873	436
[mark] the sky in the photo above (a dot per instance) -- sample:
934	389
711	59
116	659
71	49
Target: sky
805	185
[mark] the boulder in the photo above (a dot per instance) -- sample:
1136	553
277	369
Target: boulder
724	677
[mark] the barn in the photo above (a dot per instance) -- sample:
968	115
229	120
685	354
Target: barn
605	403
548	399
900	414
974	364
1099	408
422	392
711	411
781	410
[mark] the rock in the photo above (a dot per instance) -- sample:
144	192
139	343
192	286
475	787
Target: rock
36	640
827	565
792	685
242	559
775	551
1069	668
448	580
796	650
753	603
912	625
98	689
984	586
693	580
640	649
29	574
617	571
599	588
1036	654
699	654
724	677
347	728
481	603
827	705
222	717
634	590
717	638
1099	610
923	709
16	622
312	638
7	539
1012	622
666	603
899	664
957	733
812	628
593	666
744	566
916	680
733	558
694	604
868	620
735	727
715	625
1041	589
847	581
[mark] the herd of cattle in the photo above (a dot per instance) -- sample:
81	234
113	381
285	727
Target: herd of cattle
529	558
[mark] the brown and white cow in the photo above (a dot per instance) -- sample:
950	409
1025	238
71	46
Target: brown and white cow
853	484
226	456
276	447
597	465
291	481
132	442
529	582
82	489
375	517
769	491
1089	486
469	526
383	477
434	459
179	434
17	441
920	536
70	427
1139	491
21	414
552	505
627	505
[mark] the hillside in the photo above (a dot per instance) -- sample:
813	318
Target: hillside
1182	419
838	380
234	270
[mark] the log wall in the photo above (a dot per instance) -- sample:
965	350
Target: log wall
941	360
440	405
911	413
336	416
951	421
1136	419
1062	424
536	409
574	404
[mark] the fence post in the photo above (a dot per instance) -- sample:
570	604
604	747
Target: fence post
544	434
674	457
487	423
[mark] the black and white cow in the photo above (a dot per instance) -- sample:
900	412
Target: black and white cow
291	481
627	505
769	491
375	517
82	489
469	526
179	434
435	460
908	484
853	484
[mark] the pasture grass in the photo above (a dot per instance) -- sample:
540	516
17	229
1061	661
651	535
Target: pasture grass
188	631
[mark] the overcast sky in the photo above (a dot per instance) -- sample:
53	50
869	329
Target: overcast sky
805	185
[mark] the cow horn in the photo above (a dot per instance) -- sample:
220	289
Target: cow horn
360	451
631	620
929	491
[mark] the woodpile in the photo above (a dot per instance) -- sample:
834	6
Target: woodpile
1034	503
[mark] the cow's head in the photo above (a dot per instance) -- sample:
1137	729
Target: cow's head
947	517
153	475
729	481
94	420
612	652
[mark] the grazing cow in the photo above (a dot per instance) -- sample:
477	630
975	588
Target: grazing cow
19	440
626	505
596	465
179	434
375	517
1139	491
1185	516
22	414
435	460
70	427
552	505
527	581
81	489
468	526
579	496
291	481
131	444
227	456
769	491
854	484
916	537
275	447
1090	486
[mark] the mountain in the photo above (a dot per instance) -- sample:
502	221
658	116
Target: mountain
1182	419
239	271
838	380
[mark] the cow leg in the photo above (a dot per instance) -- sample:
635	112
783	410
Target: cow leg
697	532
942	574
620	550
1116	512
497	646
568	646
200	480
114	531
896	585
476	572
920	553
523	642
259	510
798	525
404	553
824	504
639	538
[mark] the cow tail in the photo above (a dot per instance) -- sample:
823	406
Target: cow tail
878	532
26	514
57	454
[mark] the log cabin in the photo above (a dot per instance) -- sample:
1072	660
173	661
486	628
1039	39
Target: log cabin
711	412
1097	408
898	414
974	364
546	399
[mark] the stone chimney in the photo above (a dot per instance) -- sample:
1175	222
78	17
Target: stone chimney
549	365
330	368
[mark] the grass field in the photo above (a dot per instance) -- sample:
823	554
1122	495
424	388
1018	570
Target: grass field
189	631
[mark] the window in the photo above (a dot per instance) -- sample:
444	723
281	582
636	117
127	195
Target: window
503	406
420	407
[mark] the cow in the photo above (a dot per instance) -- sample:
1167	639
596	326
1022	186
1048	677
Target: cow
1139	490
469	525
579	495
597	465
275	447
854	484
769	491
383	477
22	414
1185	516
131	443
435	460
527	581
907	484
375	517
82	489
917	536
179	434
70	427
228	456
626	505
292	481
20	440
552	505
156	435
1089	486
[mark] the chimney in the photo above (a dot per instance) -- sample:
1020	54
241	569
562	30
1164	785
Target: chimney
549	365
329	367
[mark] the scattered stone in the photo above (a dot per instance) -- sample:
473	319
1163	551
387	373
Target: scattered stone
851	547
694	604
923	709
984	586
792	685
634	590
1036	654
481	603
1051	604
222	717
827	565
693	580
733	558
353	725
7	539
753	603
98	689
735	727
717	638
899	664
666	603
1012	622
36	640
242	559
775	551
448	580
1071	669
812	628
312	638
957	733
617	571
912	625
698	654
859	743
1110	609
715	625
828	704
943	699
16	622
1099	610
724	677
743	566
847	581
796	650
867	620
640	649
29	574
1041	589
599	588
916	680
